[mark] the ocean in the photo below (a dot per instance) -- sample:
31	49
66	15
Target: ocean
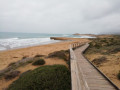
12	40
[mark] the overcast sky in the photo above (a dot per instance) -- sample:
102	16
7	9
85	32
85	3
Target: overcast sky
60	16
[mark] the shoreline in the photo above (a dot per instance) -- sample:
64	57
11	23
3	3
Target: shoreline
31	45
16	43
23	47
55	39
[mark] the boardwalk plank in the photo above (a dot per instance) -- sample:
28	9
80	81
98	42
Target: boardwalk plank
92	78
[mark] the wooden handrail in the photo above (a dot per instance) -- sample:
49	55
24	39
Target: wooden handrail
76	45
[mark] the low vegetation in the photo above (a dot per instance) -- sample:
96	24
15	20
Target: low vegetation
39	62
22	74
14	65
38	55
118	75
63	54
105	45
11	64
11	75
99	61
56	77
36	60
24	57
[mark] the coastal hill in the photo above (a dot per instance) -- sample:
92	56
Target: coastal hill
93	35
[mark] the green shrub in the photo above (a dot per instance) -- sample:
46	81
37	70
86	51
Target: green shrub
115	50
97	46
59	54
39	62
51	77
38	55
118	75
24	73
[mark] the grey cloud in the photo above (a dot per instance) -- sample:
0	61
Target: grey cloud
60	16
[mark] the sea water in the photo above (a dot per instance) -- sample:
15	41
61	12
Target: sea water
12	40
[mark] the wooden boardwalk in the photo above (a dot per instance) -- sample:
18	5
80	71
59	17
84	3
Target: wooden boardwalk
84	75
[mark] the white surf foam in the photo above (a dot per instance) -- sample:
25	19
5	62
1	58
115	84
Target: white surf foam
84	37
2	48
16	42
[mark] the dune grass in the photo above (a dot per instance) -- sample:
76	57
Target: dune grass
63	54
39	62
55	77
104	45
